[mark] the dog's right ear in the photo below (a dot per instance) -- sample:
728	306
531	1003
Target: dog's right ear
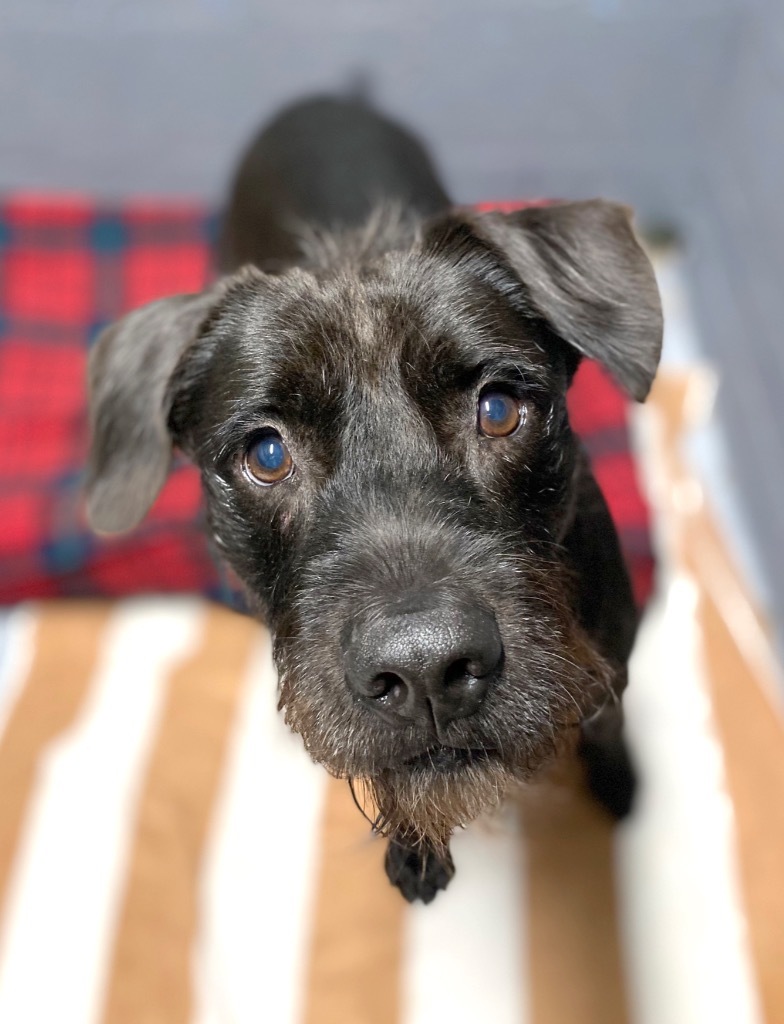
129	373
577	265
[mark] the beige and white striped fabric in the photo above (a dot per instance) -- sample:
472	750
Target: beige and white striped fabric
168	854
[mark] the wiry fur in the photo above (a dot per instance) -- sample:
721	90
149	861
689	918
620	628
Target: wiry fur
367	349
553	676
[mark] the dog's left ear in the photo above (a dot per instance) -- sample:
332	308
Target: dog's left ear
585	273
131	365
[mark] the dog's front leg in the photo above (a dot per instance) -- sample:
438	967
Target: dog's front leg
418	870
609	771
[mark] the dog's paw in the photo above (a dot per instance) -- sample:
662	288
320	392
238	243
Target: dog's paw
610	775
418	872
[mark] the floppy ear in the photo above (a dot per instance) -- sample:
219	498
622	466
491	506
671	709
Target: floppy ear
586	274
129	372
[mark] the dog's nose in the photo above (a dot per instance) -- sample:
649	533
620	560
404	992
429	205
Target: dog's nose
433	664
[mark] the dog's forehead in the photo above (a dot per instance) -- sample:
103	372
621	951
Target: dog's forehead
402	317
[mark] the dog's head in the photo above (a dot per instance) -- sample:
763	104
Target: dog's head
389	469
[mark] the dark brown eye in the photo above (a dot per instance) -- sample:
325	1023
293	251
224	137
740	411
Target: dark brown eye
268	460
499	414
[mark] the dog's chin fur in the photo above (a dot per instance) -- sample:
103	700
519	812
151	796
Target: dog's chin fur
414	785
424	806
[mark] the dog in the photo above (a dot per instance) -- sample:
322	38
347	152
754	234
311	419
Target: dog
374	390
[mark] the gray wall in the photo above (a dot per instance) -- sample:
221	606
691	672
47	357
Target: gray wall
735	235
514	95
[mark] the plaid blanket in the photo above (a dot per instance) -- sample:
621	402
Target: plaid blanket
68	267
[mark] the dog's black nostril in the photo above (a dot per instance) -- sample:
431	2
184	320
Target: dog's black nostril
380	685
432	664
459	671
465	685
388	687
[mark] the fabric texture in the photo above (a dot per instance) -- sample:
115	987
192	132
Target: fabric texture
69	267
169	854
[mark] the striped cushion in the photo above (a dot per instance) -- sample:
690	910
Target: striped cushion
171	855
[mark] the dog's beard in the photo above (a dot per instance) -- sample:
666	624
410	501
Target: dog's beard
422	806
553	679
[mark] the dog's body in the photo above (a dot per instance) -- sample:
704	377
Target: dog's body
378	409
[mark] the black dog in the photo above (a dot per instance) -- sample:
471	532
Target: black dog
377	404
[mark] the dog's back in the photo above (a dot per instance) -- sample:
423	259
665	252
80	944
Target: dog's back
326	162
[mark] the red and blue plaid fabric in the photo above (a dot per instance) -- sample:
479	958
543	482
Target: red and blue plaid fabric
68	267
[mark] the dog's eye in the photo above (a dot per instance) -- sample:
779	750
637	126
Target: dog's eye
499	414
268	460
